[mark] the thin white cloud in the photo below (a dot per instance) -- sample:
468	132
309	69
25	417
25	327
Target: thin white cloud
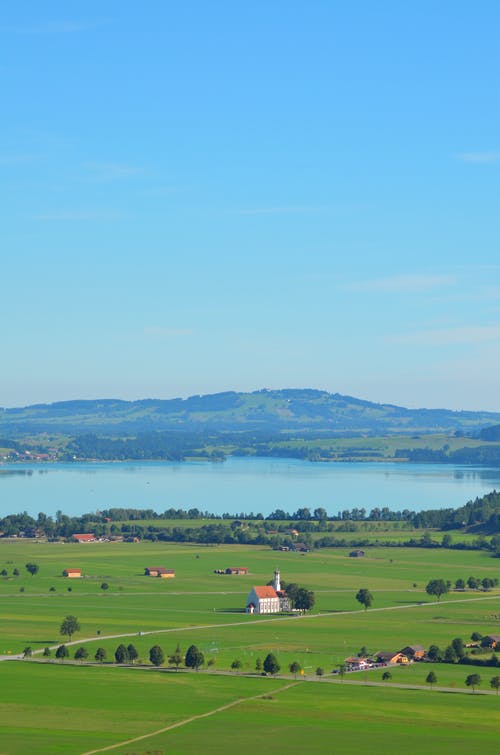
48	27
403	283
286	210
76	216
159	191
16	159
110	171
479	157
466	334
158	332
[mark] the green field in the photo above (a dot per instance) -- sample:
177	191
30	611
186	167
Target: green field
79	710
207	609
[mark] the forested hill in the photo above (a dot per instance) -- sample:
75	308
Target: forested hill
273	411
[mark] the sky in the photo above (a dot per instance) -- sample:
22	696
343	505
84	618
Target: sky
199	197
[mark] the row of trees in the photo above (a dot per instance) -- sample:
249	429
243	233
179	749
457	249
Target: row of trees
439	587
472	680
195	659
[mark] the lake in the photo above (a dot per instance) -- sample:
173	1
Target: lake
238	485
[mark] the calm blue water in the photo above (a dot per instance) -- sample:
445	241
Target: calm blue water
238	485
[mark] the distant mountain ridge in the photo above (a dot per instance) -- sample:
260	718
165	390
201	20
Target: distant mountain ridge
283	411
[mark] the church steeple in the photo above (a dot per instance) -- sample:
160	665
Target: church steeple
277	583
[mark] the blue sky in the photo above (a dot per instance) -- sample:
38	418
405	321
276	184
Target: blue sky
198	197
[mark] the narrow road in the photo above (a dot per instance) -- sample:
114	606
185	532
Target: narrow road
252	622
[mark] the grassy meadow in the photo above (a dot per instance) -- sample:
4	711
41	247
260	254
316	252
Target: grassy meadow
81	710
203	608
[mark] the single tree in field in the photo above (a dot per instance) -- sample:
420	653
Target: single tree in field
104	586
319	671
494	660
386	676
132	653
81	654
32	568
434	653
211	662
364	597
476	636
100	655
69	626
431	678
437	587
342	670
460	584
156	655
176	658
304	599
121	654
4	573
46	653
15	572
295	668
62	652
495	683
473	680
236	664
271	665
459	647
450	655
27	652
258	664
194	658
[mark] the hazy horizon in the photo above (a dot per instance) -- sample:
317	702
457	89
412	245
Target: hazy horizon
255	390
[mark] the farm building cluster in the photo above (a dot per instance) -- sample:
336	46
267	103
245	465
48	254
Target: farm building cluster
404	657
408	655
159	571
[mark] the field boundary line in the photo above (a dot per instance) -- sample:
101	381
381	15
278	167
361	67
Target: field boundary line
301	617
188	720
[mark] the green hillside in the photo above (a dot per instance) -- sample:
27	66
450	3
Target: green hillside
267	411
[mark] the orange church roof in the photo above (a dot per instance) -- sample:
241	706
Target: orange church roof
265	591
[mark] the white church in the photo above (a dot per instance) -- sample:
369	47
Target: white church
267	598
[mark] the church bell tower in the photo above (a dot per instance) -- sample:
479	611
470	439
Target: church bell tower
277	583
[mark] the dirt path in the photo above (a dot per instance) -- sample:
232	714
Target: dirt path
185	721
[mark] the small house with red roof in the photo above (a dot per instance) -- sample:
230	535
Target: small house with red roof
84	538
159	571
72	573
